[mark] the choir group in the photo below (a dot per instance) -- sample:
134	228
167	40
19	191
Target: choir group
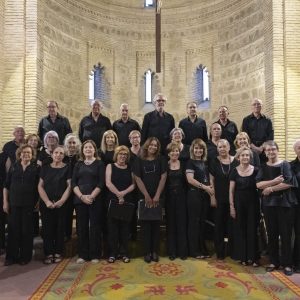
115	175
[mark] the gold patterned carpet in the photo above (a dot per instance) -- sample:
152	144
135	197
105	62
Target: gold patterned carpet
190	279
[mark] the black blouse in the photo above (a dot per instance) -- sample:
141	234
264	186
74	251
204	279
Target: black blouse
88	177
55	181
150	172
200	170
22	185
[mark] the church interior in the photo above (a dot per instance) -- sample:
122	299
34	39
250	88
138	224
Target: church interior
239	49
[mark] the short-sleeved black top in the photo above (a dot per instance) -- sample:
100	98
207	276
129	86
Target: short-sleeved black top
22	185
150	172
244	183
55	181
88	177
107	157
121	179
44	157
221	174
266	173
200	170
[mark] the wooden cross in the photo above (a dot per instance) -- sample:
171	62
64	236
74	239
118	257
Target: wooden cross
158	35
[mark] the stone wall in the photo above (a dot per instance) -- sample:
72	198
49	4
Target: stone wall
248	46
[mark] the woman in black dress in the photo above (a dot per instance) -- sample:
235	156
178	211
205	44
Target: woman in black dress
244	206
119	181
176	211
177	135
214	137
72	147
51	141
108	145
150	172
20	195
220	168
295	165
242	140
54	189
275	178
198	198
87	183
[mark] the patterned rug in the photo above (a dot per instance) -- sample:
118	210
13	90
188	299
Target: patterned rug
190	279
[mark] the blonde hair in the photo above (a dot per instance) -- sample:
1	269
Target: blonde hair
202	145
242	149
103	146
243	133
118	150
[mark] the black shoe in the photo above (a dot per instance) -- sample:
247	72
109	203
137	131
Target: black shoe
8	262
155	257
23	262
183	257
172	257
147	258
288	271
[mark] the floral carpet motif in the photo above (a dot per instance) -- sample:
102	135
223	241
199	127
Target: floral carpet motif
190	279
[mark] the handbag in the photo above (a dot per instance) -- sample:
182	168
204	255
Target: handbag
149	213
123	212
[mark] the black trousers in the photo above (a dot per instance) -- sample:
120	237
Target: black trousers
279	222
296	252
118	234
151	234
20	234
69	216
89	230
222	222
176	214
53	223
247	213
198	203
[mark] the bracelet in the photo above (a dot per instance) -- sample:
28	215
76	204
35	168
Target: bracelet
200	185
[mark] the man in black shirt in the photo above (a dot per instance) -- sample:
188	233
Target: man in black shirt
94	125
124	126
229	128
54	121
11	147
158	123
258	127
193	126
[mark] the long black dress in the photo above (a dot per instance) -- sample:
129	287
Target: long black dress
53	220
176	213
222	213
246	203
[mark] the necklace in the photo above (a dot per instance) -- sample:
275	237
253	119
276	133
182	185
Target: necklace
225	173
89	162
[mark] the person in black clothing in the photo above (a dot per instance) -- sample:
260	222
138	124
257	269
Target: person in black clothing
193	126
150	172
244	206
72	147
54	189
94	125
176	211
11	147
275	178
242	140
177	135
229	128
125	125
108	145
19	197
198	198
259	128
119	181
220	168
215	136
54	121
87	183
295	165
158	123
51	141
2	213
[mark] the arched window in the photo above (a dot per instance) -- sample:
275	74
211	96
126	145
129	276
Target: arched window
202	86
98	86
148	86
